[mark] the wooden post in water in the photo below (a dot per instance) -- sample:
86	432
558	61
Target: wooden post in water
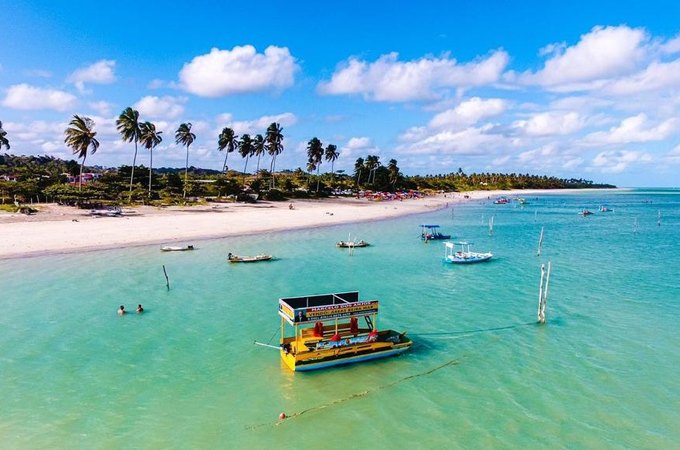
543	292
491	226
167	280
540	243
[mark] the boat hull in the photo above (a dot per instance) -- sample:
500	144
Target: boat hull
249	259
346	354
470	260
340	361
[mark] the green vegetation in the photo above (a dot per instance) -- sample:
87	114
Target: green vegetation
24	179
45	179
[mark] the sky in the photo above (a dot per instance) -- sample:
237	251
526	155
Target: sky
583	89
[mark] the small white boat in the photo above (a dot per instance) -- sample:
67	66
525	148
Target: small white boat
246	259
176	248
352	244
463	255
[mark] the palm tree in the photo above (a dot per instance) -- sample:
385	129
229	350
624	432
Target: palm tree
274	145
149	138
314	156
358	166
331	155
4	142
128	127
372	164
393	170
258	143
246	149
81	137
184	136
227	140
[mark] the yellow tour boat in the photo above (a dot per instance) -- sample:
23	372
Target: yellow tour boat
327	332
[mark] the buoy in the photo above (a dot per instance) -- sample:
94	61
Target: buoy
282	416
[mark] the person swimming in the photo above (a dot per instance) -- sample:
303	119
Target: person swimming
121	310
140	309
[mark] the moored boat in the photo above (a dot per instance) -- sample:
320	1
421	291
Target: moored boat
327	332
463	255
176	248
352	244
246	259
431	232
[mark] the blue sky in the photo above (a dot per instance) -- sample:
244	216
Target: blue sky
577	89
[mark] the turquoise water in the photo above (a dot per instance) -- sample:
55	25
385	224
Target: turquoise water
604	372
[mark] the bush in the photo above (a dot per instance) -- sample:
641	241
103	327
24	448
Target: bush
274	195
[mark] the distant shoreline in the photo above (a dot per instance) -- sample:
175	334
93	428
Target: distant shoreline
60	229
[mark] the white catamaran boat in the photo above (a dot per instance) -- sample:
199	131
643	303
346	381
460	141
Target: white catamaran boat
463	255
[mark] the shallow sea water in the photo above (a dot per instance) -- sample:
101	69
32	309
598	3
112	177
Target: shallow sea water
604	372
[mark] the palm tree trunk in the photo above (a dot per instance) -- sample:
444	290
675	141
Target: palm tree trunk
257	169
186	172
150	169
80	178
132	174
317	179
244	172
273	168
224	166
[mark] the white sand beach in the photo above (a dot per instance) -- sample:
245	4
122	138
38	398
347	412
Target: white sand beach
61	229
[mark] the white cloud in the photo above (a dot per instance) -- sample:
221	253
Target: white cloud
469	112
359	143
161	107
618	161
100	72
603	53
36	131
673	156
26	97
550	124
672	46
470	141
257	126
633	129
101	107
390	80
242	69
657	76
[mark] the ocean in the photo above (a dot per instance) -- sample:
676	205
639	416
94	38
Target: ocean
602	372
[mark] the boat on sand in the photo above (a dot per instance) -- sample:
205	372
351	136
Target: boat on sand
327	332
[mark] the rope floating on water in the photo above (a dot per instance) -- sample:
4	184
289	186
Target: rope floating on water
356	395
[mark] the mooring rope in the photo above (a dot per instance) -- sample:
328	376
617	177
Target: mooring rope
356	395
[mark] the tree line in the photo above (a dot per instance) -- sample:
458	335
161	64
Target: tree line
43	177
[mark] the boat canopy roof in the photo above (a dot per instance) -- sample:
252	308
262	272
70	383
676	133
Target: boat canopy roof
453	244
314	308
430	226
